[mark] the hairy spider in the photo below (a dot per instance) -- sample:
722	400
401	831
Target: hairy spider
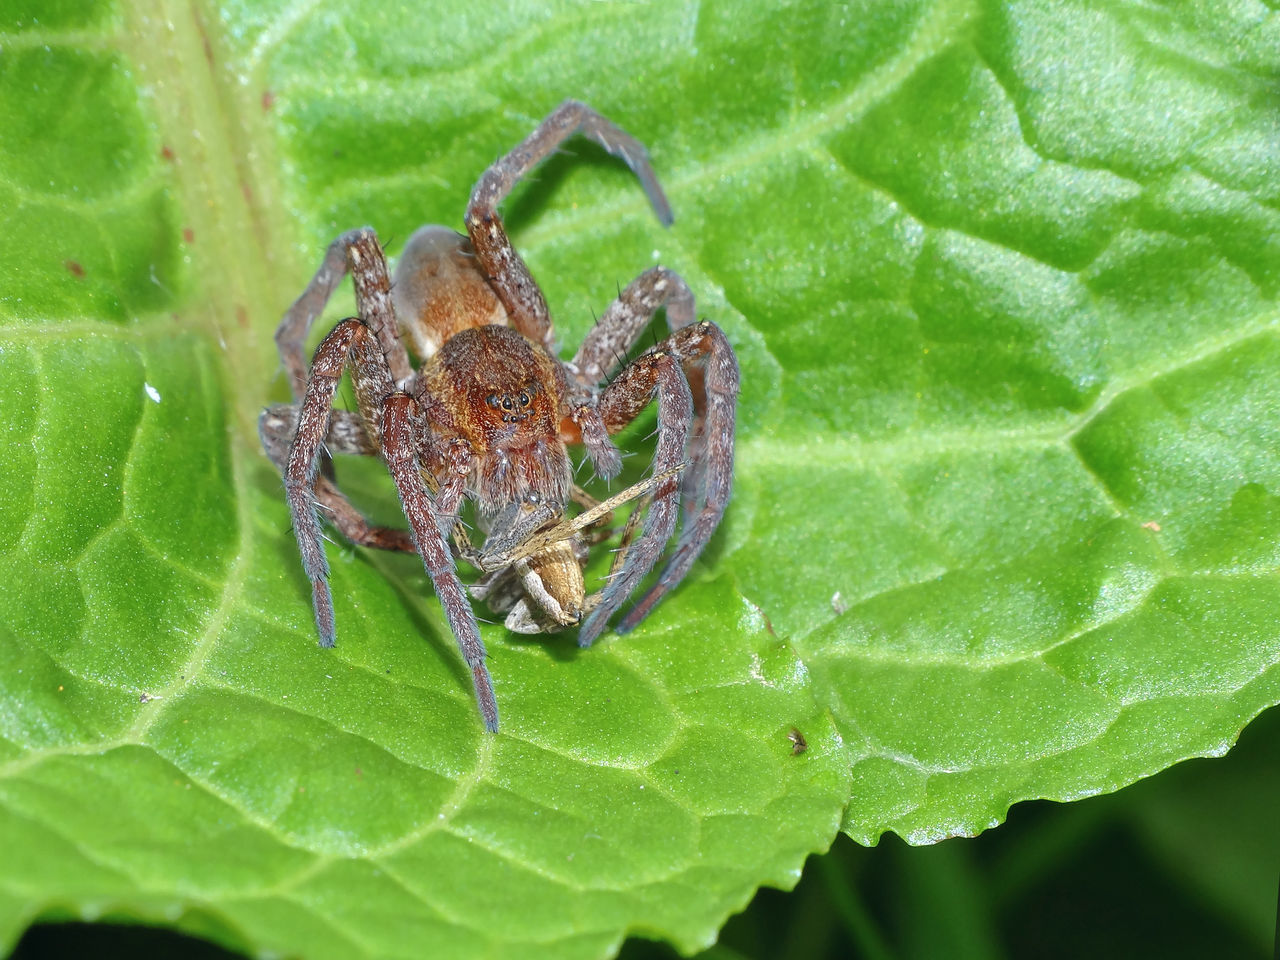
489	411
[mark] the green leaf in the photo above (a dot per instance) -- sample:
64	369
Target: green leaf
1002	280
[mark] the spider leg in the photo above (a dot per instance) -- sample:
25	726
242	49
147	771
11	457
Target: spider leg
658	371
346	433
304	460
357	251
426	519
711	469
711	371
515	548
277	427
625	319
506	270
628	535
610	339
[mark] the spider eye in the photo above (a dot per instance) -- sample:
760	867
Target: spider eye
524	399
491	399
507	404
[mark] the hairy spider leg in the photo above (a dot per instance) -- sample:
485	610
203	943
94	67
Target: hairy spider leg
608	342
657	372
626	318
358	252
277	427
712	463
304	462
426	518
504	267
713	457
616	332
706	359
352	343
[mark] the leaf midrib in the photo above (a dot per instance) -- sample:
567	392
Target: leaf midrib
224	176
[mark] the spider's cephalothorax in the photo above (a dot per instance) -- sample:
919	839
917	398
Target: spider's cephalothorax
488	414
506	396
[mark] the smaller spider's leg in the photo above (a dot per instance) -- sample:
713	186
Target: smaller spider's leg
598	529
628	535
458	454
658	372
514	525
501	263
359	252
448	492
425	522
277	427
353	525
713	457
538	540
304	460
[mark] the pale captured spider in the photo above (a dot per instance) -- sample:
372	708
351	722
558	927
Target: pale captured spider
488	414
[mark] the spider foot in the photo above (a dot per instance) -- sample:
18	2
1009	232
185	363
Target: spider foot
484	696
322	601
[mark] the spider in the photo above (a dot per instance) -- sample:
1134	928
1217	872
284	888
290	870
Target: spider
490	409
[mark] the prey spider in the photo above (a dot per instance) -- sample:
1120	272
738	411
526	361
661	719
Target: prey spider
490	409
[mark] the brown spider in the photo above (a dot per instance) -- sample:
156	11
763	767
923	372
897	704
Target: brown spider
488	414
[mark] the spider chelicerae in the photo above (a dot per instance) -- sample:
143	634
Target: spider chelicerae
491	408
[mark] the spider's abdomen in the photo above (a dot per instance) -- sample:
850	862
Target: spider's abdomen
439	290
504	394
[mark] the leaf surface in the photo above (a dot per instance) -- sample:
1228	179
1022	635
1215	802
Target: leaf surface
1002	282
